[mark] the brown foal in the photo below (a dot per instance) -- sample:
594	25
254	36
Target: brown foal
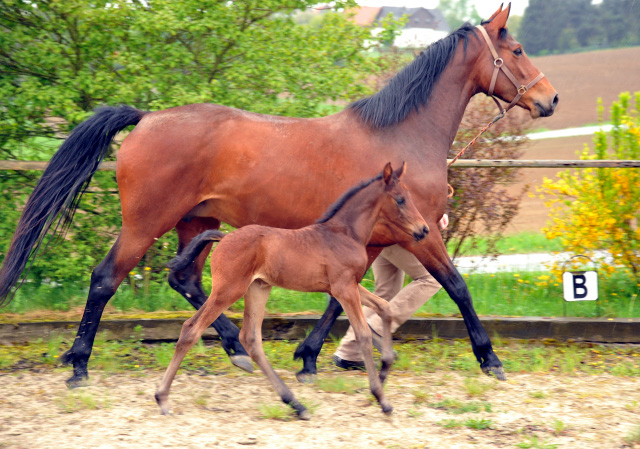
329	256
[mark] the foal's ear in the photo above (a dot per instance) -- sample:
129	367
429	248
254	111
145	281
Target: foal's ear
387	172
399	172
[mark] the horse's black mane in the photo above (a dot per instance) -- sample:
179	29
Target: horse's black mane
340	202
411	88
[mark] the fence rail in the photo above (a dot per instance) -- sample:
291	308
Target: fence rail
460	163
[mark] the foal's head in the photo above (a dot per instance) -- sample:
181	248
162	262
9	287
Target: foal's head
398	212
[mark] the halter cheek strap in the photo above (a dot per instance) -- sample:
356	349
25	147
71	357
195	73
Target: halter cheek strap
498	64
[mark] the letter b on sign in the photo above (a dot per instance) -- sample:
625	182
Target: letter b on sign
580	285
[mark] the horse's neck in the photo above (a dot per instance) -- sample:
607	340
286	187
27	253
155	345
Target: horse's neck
437	123
359	215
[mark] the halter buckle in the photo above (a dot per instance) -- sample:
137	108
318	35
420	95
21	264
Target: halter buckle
498	62
522	90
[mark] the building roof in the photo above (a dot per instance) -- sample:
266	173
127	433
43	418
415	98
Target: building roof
368	15
365	15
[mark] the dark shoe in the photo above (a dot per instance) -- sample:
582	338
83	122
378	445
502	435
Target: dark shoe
347	364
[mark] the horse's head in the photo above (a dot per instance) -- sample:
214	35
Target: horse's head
398	210
506	72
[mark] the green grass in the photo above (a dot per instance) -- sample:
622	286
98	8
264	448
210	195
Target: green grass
504	294
522	243
428	356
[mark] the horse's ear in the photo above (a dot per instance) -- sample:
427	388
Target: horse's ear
401	171
387	172
493	16
499	19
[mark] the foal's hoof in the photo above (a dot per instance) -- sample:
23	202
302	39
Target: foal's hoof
304	415
387	409
76	381
496	371
306	378
243	362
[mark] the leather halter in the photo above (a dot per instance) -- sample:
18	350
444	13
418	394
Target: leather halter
498	64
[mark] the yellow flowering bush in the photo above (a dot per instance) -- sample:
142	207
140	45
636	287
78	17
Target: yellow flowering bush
598	209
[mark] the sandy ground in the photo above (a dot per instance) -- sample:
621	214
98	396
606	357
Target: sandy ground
37	411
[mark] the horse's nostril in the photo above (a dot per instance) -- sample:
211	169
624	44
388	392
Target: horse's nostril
555	102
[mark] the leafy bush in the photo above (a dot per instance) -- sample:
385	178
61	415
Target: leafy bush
595	211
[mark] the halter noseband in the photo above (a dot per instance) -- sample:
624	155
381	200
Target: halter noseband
498	64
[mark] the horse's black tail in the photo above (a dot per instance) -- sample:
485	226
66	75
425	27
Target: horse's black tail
58	192
194	248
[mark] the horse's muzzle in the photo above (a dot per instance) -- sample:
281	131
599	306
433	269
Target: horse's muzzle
420	234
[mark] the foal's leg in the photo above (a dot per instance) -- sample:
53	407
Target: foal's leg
189	284
350	300
221	298
309	349
382	308
251	337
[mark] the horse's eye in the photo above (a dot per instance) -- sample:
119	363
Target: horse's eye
400	201
517	52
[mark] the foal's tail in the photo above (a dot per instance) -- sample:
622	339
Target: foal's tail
194	248
57	194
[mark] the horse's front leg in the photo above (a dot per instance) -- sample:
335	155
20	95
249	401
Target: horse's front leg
433	255
350	298
382	308
310	348
189	284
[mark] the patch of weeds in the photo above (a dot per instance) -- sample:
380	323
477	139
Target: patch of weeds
633	437
476	388
457	407
631	407
450	423
420	397
54	348
538	394
164	353
534	443
71	402
413	413
478	424
559	427
278	412
201	399
340	384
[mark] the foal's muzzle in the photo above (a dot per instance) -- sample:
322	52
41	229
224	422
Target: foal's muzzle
420	233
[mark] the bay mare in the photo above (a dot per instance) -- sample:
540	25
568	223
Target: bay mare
193	167
328	256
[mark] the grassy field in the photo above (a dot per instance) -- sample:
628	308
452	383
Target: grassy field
505	294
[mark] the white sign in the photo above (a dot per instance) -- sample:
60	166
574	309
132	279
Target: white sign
580	285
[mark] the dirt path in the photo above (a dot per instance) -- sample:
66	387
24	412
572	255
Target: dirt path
118	411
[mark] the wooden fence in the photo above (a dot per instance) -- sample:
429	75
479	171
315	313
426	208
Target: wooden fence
460	163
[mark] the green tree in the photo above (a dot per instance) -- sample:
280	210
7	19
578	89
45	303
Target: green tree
61	59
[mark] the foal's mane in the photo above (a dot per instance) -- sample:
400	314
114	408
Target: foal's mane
346	196
411	88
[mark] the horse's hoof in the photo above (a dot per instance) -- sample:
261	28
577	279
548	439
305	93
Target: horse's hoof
306	378
387	409
496	371
243	362
77	381
304	415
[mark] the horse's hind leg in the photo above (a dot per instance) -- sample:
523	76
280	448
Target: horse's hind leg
189	284
383	309
221	297
105	279
255	300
